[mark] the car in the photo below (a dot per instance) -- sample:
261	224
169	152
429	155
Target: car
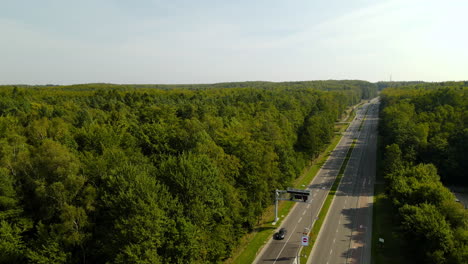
280	234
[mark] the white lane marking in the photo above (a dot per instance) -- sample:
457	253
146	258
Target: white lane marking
300	219
331	250
303	213
276	259
308	206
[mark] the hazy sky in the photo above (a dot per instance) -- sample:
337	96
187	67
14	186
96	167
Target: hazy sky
206	41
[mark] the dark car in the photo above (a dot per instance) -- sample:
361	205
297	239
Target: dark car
281	234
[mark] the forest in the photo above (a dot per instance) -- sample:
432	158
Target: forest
103	173
425	134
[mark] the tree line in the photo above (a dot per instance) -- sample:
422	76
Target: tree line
103	173
425	132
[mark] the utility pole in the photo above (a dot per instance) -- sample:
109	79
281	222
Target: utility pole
276	206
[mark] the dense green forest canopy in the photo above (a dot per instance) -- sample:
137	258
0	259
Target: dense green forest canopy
430	123
419	84
153	173
424	129
382	85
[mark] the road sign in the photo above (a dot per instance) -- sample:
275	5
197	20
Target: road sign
305	240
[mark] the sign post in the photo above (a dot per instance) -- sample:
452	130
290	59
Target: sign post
295	195
305	241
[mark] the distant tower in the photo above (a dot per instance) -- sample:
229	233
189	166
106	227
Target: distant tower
390	77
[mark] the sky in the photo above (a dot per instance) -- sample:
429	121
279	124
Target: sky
209	41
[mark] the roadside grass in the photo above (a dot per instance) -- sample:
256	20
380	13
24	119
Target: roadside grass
351	116
306	250
252	243
384	225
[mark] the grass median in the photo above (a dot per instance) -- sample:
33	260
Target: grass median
326	205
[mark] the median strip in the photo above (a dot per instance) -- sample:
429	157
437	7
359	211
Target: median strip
306	250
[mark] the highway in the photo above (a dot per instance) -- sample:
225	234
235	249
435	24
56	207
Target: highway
303	215
346	234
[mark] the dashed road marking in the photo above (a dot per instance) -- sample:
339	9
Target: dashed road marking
276	259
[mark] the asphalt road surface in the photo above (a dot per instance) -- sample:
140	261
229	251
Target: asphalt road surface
346	234
303	215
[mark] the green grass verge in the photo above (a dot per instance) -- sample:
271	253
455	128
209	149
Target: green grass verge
326	205
251	244
254	241
351	116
